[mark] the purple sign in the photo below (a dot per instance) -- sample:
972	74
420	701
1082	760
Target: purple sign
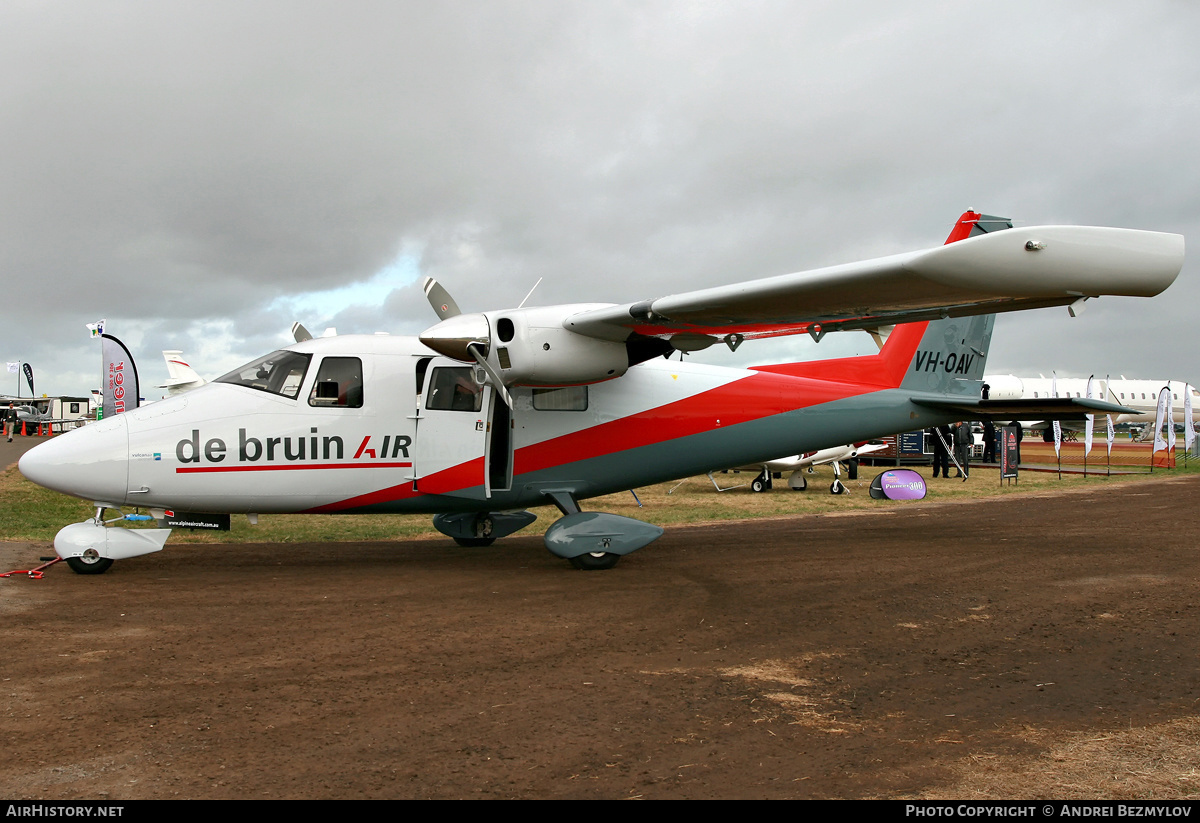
898	484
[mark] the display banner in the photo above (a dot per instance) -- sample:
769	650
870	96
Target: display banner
1189	426
120	379
1111	432
1089	420
1057	425
1160	442
1009	452
898	484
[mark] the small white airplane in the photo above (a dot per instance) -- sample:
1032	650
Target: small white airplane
181	376
489	413
797	465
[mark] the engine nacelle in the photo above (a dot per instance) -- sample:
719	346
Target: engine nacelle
1004	387
530	347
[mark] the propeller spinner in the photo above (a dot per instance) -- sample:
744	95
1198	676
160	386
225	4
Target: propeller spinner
465	337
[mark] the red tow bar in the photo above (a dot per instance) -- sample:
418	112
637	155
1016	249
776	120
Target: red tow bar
36	574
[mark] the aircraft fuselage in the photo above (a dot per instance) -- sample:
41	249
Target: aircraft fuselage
398	428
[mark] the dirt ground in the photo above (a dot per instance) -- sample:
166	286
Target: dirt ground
879	654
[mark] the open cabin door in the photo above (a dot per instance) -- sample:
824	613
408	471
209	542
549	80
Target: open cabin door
463	433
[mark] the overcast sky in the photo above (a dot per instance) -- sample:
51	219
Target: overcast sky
202	174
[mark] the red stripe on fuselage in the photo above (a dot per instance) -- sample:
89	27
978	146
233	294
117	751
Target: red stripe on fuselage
769	391
278	467
462	476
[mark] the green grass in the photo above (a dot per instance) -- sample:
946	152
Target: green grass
33	514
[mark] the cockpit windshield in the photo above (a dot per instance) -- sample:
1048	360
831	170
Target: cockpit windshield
279	372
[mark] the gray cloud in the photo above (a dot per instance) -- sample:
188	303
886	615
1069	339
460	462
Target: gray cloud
184	169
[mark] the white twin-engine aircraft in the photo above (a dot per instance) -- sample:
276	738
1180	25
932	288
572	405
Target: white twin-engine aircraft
486	414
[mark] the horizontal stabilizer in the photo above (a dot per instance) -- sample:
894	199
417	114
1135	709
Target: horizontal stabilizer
1049	408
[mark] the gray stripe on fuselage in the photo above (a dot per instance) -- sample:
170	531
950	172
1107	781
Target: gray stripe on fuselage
836	423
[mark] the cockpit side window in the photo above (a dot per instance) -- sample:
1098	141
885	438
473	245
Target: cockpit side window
454	388
279	372
339	384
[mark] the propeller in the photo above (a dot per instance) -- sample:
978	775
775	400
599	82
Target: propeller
465	337
440	299
300	333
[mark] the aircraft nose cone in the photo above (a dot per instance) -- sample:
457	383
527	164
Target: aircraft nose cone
92	462
450	337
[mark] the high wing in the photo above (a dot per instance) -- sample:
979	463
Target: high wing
1019	268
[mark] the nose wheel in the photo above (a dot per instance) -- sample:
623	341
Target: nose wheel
595	561
90	562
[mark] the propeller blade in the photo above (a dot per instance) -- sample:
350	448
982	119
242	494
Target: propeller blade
476	349
300	333
440	299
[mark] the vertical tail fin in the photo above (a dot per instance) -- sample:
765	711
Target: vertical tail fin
952	353
182	376
973	224
938	356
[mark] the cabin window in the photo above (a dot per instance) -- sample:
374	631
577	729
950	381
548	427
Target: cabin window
339	384
279	372
568	398
453	388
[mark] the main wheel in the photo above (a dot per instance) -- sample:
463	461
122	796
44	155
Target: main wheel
595	561
89	563
474	542
798	483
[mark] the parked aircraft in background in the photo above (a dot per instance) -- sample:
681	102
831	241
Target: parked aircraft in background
486	414
181	376
34	412
1139	395
798	465
37	411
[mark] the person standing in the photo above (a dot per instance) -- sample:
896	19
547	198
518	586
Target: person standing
989	441
962	448
940	435
10	420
